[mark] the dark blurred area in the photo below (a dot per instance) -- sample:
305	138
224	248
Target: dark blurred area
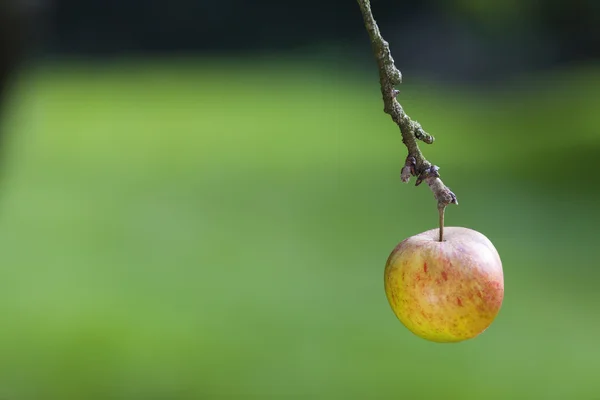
467	40
14	23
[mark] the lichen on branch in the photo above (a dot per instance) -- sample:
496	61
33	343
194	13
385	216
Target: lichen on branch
389	77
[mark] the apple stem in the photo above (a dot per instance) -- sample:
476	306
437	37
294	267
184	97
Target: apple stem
441	210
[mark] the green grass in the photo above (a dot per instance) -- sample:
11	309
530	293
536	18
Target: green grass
187	231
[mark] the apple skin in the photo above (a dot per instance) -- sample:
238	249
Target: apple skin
446	291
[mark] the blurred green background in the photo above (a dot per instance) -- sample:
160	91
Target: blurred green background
184	231
198	198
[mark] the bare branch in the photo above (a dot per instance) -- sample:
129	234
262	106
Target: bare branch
389	77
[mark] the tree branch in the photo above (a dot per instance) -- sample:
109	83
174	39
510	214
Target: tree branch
389	77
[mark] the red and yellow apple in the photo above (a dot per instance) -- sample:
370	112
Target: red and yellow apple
446	291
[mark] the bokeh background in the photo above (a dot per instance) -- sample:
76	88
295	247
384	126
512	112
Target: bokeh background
198	197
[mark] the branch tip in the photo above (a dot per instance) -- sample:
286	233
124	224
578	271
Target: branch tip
420	133
409	169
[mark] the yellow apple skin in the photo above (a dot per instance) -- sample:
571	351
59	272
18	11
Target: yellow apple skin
446	291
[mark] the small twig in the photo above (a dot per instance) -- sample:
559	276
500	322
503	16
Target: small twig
441	211
389	77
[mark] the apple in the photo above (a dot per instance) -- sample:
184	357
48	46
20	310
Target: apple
445	291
